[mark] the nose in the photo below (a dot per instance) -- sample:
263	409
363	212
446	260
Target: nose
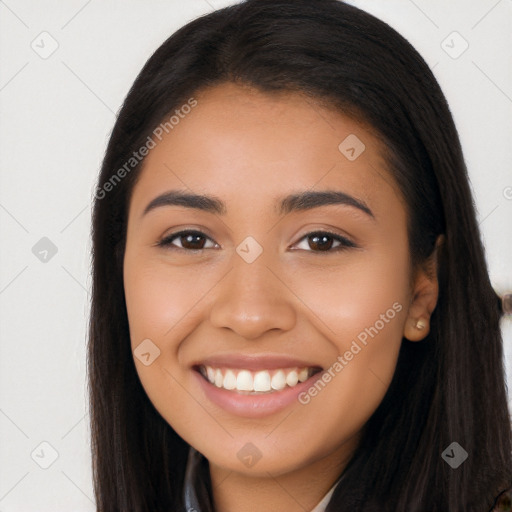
253	299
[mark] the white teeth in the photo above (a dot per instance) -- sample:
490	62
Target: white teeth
303	375
278	380
292	378
229	380
244	381
262	381
219	379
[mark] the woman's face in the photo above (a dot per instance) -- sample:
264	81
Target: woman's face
258	297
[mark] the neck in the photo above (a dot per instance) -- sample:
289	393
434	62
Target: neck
297	491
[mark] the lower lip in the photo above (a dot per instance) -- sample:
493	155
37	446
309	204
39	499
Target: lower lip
253	406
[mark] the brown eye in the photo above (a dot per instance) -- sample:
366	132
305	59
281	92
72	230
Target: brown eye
188	240
317	241
323	241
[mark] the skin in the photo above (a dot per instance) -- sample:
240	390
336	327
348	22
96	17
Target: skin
248	149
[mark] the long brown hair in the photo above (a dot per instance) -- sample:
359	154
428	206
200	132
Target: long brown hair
448	388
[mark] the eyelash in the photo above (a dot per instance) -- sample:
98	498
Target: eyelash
345	243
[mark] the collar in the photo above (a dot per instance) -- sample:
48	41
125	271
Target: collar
197	464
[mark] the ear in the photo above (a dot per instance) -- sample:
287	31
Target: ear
424	295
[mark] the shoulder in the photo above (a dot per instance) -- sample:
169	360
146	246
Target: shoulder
503	502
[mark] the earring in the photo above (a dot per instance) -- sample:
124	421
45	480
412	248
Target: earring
421	324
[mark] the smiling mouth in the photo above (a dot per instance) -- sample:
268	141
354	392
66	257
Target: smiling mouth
249	382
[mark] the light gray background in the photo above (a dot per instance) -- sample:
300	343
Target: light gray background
56	115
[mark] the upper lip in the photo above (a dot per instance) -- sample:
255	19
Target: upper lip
255	362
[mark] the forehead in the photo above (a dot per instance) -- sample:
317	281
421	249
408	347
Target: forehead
251	147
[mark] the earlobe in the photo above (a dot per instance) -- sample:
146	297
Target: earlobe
425	292
421	324
416	328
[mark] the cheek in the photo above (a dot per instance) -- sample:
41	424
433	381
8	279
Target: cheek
159	299
360	309
160	305
351	297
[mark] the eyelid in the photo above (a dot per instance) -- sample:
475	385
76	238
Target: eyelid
345	241
165	241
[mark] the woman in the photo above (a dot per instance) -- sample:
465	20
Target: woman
291	306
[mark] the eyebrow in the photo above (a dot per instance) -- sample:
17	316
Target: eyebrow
293	202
